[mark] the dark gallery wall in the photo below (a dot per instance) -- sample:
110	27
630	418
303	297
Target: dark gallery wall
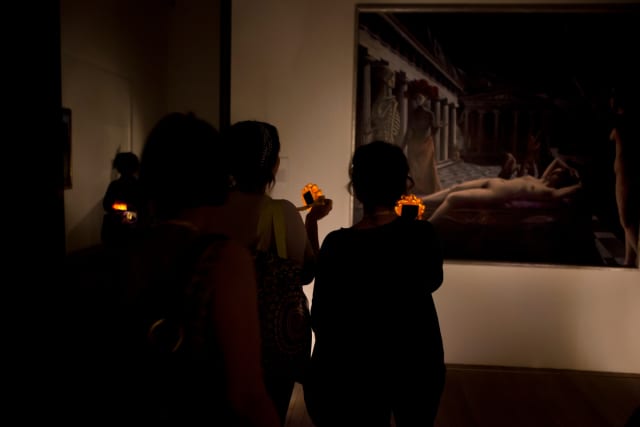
37	135
32	194
33	212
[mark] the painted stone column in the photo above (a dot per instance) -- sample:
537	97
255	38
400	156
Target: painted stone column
453	133
403	107
444	137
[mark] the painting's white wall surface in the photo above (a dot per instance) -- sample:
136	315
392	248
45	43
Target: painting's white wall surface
293	64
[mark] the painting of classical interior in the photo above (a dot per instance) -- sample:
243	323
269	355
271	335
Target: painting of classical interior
520	126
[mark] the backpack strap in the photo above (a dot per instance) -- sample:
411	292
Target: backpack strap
188	260
165	334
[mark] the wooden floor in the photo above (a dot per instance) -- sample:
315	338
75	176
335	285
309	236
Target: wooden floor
477	396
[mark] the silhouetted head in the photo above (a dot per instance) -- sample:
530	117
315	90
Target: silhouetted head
253	154
127	164
183	165
379	172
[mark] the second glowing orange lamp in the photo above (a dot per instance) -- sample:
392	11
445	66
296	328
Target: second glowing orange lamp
410	206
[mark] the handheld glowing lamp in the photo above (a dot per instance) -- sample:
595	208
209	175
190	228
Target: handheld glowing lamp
119	206
311	194
410	206
127	215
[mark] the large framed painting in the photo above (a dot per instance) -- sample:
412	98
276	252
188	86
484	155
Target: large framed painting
520	124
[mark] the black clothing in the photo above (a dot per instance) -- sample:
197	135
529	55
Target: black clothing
378	343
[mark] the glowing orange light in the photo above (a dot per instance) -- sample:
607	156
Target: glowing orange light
130	216
311	193
119	206
412	200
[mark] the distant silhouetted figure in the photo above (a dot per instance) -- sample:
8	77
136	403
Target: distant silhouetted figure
378	346
122	201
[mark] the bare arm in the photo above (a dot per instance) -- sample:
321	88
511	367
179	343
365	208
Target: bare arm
558	163
235	321
560	193
319	210
302	237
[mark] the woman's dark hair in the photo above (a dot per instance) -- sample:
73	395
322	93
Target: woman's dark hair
253	148
182	165
126	163
379	172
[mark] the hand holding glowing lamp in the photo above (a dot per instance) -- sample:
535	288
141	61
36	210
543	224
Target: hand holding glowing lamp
127	216
311	195
410	206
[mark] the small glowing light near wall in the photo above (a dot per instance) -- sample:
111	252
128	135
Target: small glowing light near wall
119	206
410	206
124	212
130	216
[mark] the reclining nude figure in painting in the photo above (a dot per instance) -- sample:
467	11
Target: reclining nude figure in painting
558	182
